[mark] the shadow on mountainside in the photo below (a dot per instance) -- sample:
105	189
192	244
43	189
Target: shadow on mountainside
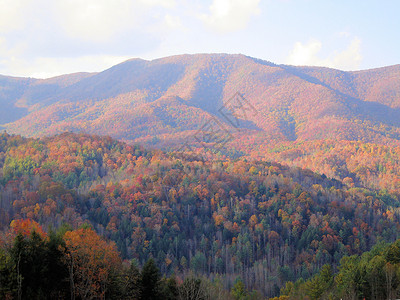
365	110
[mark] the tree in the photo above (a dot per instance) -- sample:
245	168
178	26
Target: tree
392	254
90	260
320	283
350	278
8	276
40	272
192	289
150	281
169	288
57	270
28	256
131	283
239	291
25	227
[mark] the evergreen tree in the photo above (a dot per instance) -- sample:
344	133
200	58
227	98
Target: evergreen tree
169	288
150	281
239	291
8	276
132	283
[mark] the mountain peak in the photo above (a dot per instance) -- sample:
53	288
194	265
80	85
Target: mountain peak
190	88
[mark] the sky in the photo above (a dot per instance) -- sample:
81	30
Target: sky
45	38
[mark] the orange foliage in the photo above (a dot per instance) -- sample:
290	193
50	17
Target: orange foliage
90	260
26	227
218	219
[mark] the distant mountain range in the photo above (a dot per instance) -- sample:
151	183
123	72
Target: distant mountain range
163	101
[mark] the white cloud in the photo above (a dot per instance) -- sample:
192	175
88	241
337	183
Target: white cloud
45	67
12	14
305	54
349	59
9	55
173	22
14	63
162	3
308	54
230	15
95	20
100	20
2	46
43	38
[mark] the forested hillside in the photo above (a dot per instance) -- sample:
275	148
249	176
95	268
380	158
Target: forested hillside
372	275
344	125
161	101
200	211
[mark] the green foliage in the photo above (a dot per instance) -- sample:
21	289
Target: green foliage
372	275
320	283
16	167
151	281
169	288
8	276
125	283
35	268
239	291
392	254
40	271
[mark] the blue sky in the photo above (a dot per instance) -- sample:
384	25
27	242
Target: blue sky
44	38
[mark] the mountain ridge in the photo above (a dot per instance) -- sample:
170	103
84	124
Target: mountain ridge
163	102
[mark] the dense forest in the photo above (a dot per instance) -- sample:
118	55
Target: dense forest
234	224
373	275
79	264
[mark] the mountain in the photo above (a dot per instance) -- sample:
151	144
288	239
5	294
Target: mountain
140	99
323	119
267	172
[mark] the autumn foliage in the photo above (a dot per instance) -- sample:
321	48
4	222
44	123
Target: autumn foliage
90	261
26	227
203	212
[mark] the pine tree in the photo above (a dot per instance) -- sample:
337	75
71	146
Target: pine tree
150	281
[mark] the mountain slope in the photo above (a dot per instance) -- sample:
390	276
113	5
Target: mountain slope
345	125
225	218
12	89
292	103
